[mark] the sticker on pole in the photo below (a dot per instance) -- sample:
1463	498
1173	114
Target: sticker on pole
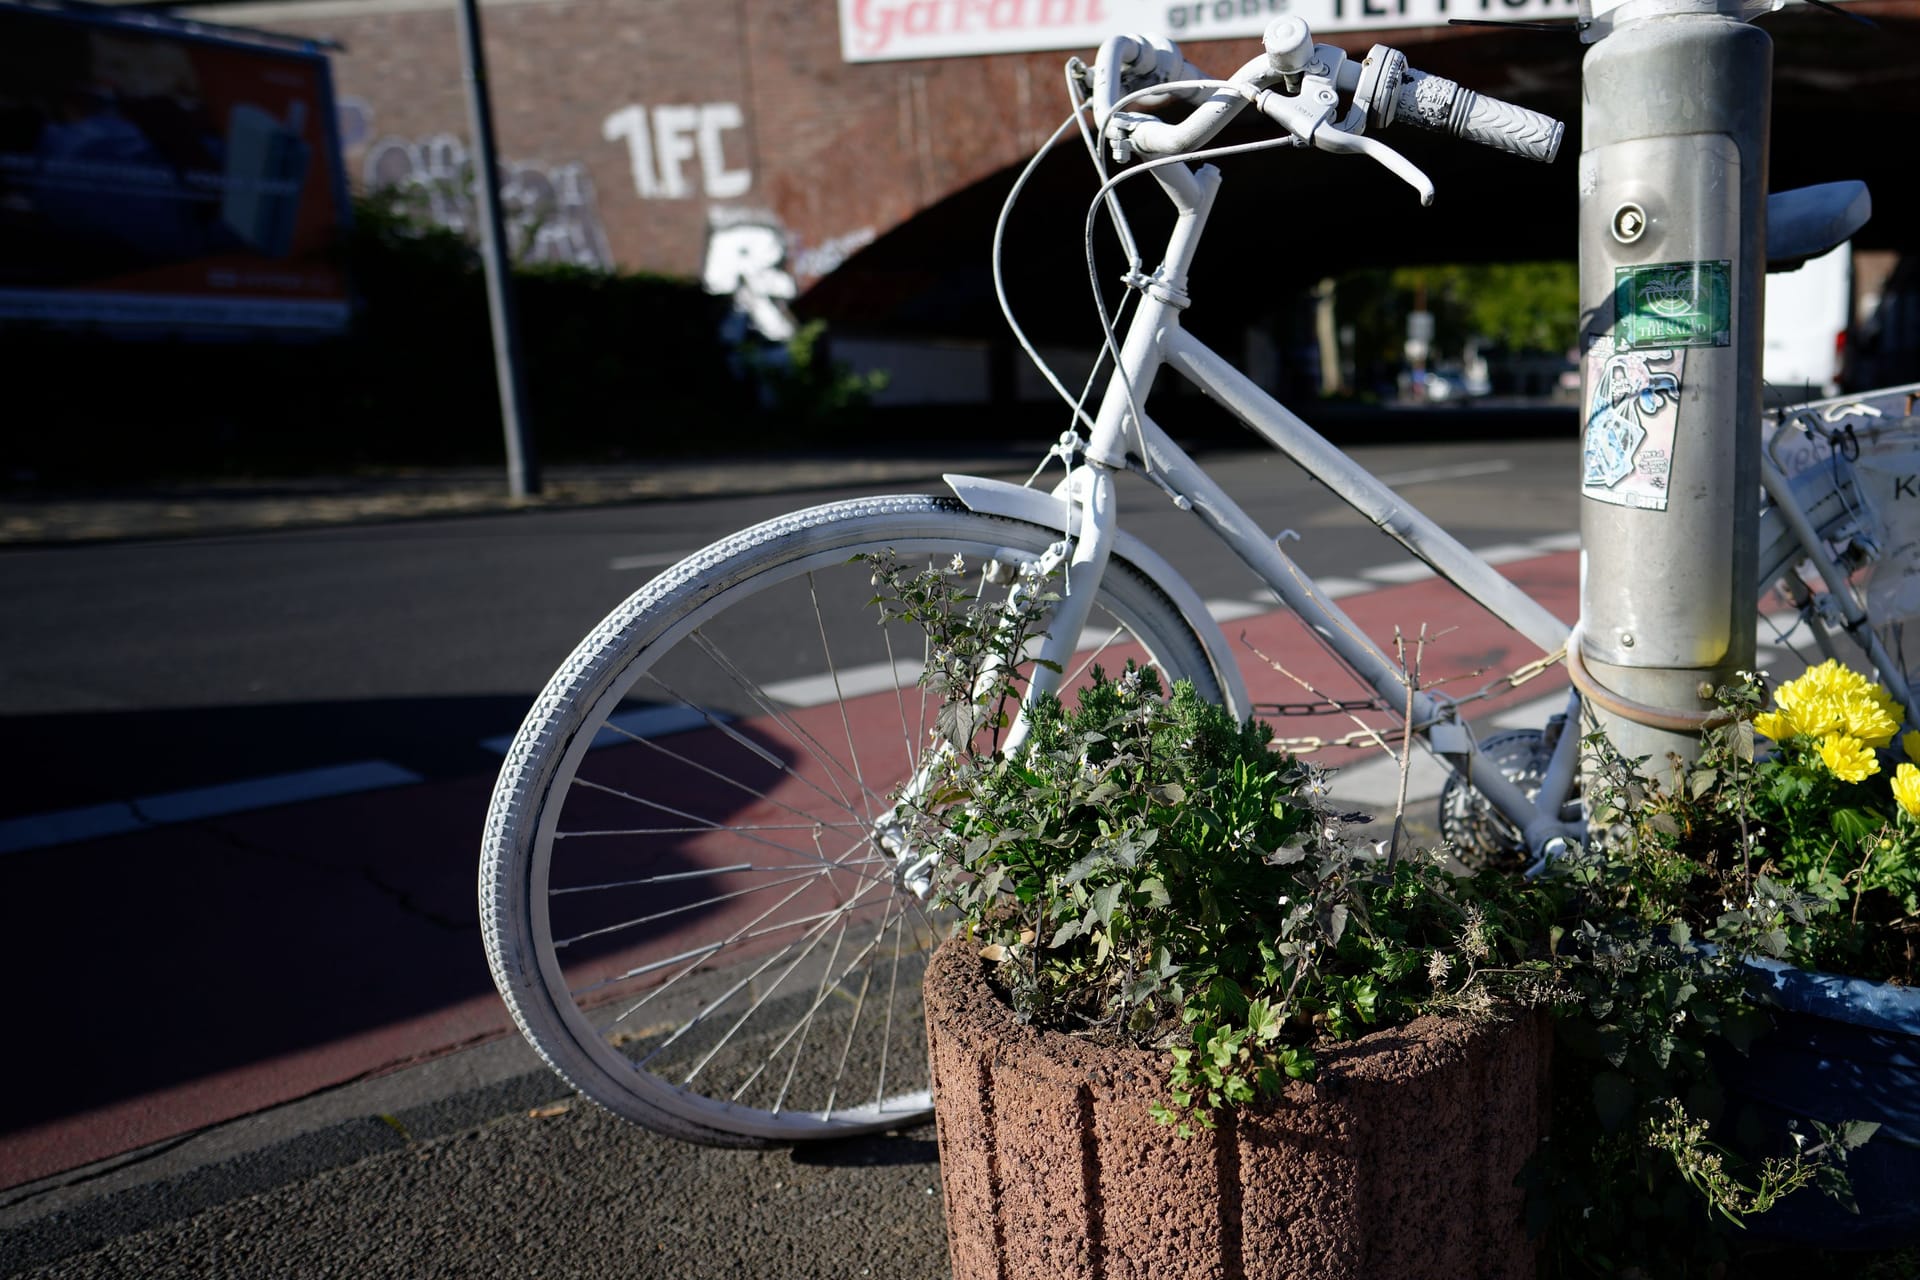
1674	304
1633	406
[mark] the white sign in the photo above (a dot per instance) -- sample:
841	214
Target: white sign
880	30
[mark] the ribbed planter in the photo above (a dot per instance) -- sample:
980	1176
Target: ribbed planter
1400	1161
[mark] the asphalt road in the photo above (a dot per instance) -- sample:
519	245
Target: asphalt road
219	1001
143	668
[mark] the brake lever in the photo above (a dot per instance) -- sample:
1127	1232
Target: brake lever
1349	143
1319	127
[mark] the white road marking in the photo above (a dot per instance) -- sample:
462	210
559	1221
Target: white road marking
1340	588
1459	471
625	726
1508	552
652	560
92	821
1228	610
1397	574
873	677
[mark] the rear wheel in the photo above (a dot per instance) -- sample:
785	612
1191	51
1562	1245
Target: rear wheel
688	904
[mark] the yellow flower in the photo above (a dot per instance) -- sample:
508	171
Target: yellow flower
1832	699
1869	719
1848	758
1911	742
1906	788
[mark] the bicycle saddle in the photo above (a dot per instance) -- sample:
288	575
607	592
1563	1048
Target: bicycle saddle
1806	222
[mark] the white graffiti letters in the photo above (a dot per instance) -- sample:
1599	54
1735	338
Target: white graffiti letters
746	260
551	212
661	142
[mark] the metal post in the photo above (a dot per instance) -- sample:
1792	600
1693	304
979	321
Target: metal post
523	472
1673	180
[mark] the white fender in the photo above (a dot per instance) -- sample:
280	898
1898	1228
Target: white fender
999	498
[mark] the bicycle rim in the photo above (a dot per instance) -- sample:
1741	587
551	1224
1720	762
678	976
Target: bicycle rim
687	907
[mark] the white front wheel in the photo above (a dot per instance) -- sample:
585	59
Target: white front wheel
688	899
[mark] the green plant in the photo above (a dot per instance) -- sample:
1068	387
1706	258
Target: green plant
1806	855
804	385
1143	868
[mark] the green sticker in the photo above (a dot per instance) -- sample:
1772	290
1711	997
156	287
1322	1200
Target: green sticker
1674	304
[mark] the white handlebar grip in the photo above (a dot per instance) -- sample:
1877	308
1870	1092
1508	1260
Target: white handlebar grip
1435	102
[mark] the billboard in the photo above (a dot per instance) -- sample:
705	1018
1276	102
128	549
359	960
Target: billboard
878	30
154	176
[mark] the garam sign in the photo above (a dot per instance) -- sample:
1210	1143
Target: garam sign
882	30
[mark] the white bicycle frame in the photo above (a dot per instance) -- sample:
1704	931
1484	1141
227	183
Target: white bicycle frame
1085	507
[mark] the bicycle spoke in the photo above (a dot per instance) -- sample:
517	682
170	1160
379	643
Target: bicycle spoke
560	944
667	877
823	923
793	1062
803	1025
728	779
839	695
745	933
808	743
709	825
886	1033
807	1016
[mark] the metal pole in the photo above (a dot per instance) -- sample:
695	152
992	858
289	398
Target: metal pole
1673	180
523	472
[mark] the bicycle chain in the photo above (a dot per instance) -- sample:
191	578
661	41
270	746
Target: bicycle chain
1368	737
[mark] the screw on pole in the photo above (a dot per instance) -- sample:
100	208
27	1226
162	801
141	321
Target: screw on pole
1673	177
523	472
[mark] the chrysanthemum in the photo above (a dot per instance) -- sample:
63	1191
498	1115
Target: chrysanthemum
1906	788
1832	699
1911	743
1869	719
1849	759
1778	725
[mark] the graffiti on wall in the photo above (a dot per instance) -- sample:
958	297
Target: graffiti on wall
662	140
747	261
551	212
751	258
827	257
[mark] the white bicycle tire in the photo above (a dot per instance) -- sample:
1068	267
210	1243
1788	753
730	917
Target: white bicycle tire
541	776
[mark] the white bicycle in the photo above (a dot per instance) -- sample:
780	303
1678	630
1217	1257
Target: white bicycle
695	899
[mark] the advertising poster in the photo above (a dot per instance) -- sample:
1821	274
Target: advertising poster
151	178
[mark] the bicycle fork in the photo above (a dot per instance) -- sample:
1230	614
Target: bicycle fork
1083	553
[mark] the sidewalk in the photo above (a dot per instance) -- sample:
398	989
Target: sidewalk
189	508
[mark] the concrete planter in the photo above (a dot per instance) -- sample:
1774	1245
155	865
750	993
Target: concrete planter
1399	1162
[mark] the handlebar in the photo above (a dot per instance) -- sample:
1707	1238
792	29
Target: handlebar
1435	102
1300	85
